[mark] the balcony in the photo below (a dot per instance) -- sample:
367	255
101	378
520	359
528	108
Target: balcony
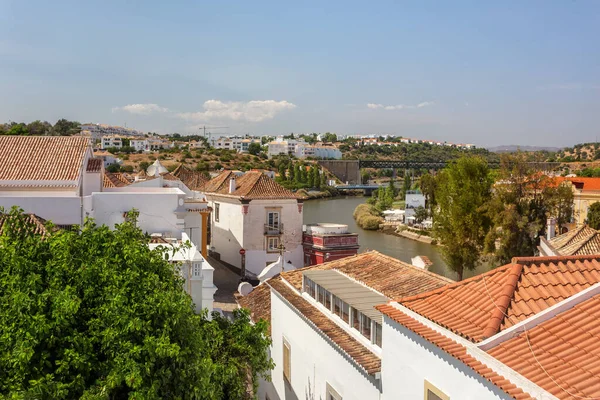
276	229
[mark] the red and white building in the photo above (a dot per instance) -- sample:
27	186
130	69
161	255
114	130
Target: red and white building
328	242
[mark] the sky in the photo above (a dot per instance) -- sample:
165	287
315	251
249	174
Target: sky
483	72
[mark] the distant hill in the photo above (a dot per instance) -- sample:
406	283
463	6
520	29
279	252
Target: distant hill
512	148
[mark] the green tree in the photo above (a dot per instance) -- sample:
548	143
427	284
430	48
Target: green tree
407	184
96	314
281	170
113	168
144	165
329	137
421	214
461	220
317	178
39	128
18	130
64	127
310	179
428	185
254	148
593	216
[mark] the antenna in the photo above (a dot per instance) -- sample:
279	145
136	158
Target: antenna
203	128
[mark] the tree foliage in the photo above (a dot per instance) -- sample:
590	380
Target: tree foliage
96	314
593	216
461	220
254	148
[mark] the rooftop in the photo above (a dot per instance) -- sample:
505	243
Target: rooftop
253	185
41	161
580	241
194	180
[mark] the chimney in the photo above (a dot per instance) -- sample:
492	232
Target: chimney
551	228
231	185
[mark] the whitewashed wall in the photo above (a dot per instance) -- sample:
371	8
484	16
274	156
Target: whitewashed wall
314	361
60	207
227	233
408	360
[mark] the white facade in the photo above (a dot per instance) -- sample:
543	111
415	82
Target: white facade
237	143
96	131
413	200
408	361
303	150
140	144
111	141
316	362
193	268
235	226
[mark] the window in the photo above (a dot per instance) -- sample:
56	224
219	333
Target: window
273	219
287	359
377	334
365	326
355	319
272	244
341	308
310	287
332	394
433	393
217	212
197	270
324	297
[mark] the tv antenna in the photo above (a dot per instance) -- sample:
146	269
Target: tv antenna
203	128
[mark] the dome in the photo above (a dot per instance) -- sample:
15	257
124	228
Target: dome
156	169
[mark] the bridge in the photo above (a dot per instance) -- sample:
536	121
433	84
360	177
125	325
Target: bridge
349	170
368	189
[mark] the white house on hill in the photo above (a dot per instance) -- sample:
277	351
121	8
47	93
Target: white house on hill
254	213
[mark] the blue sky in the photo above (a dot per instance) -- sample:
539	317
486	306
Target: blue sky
501	72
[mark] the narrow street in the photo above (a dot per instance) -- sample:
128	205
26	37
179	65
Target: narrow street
226	282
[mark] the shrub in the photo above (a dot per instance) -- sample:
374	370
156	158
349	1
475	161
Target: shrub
369	222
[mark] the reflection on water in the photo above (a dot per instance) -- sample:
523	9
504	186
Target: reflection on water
339	210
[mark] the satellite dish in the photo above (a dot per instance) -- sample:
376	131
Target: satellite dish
245	288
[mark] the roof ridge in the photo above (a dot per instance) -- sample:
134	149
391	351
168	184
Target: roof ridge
504	300
585	241
426	272
527	261
453	285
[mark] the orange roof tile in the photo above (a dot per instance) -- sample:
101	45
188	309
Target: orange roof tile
194	180
454	349
580	182
561	355
41	158
36	224
116	179
389	276
252	185
475	308
259	303
580	241
94	165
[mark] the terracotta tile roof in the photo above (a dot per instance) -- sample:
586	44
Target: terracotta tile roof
41	158
252	185
561	355
389	276
580	182
580	241
94	165
476	308
454	349
116	179
37	224
358	352
194	180
259	304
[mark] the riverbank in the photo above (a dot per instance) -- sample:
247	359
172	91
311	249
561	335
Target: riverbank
393	230
329	193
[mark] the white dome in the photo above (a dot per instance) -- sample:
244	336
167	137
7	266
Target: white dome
156	169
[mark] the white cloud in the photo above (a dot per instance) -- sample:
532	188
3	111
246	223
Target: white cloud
251	111
142	109
375	106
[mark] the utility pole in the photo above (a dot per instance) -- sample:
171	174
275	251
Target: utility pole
203	128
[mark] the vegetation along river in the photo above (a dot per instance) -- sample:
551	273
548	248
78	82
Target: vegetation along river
339	210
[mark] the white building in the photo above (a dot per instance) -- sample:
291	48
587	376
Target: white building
139	144
413	200
111	141
511	333
254	213
303	150
283	146
96	131
107	158
237	143
58	179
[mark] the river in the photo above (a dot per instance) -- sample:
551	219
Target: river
339	210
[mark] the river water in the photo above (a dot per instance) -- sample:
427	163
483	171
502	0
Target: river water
339	210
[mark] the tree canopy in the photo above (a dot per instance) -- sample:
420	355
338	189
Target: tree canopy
96	314
461	220
593	216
